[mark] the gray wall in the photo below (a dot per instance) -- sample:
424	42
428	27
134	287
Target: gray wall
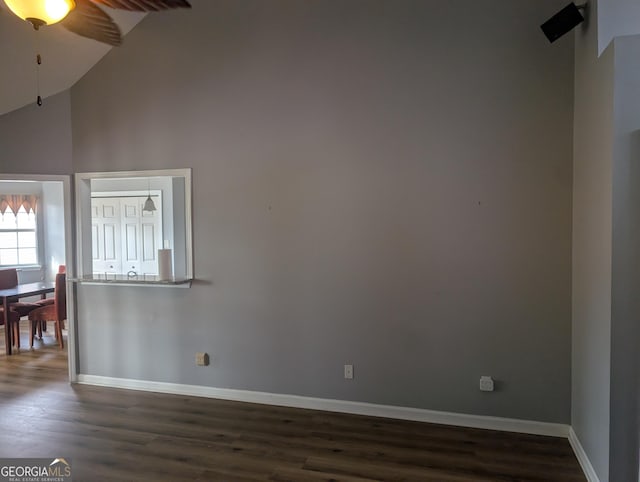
380	183
625	310
37	140
606	234
54	236
592	227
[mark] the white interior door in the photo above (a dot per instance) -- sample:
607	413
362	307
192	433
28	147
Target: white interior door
125	238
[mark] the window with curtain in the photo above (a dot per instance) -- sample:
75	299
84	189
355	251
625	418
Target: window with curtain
18	230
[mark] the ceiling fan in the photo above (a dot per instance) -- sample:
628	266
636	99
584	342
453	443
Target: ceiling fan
85	17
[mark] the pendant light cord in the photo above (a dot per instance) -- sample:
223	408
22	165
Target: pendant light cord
38	63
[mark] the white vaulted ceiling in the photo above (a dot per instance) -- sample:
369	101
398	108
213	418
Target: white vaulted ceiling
66	57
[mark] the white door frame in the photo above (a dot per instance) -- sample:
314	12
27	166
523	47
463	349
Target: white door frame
69	258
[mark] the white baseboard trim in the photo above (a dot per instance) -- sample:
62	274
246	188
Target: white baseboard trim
581	455
342	406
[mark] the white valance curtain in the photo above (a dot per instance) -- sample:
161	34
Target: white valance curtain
15	201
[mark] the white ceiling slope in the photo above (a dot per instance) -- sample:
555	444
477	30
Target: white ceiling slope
66	57
615	19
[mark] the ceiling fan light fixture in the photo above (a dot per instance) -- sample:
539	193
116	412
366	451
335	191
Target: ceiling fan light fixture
41	12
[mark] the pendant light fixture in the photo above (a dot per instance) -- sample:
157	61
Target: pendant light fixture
41	12
149	205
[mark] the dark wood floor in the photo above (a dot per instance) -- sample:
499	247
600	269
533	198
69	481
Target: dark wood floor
119	435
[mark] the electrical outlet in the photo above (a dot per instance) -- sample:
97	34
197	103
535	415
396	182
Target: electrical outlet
348	372
202	359
486	384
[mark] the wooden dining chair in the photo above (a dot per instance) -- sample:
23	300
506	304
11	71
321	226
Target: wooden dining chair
9	279
57	312
14	323
49	301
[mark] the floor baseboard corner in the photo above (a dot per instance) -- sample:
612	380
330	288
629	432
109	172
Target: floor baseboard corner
582	457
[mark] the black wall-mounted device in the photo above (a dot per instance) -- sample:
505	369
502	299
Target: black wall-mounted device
562	22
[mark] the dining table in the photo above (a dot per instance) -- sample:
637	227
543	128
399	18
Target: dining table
10	295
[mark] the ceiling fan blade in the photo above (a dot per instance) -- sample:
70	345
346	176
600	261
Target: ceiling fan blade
144	5
92	22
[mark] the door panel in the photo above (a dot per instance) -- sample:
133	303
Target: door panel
111	244
131	243
105	225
